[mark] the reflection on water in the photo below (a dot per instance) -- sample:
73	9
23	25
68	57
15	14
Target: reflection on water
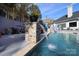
58	44
51	47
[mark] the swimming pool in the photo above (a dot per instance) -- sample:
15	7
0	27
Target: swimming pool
58	44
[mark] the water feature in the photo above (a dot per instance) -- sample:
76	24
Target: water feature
59	44
45	33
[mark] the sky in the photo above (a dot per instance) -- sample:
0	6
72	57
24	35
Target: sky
55	10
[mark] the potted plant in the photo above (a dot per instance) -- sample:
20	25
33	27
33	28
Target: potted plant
34	17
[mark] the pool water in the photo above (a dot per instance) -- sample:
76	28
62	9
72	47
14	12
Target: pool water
58	44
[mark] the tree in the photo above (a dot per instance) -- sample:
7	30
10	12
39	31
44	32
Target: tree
11	9
20	10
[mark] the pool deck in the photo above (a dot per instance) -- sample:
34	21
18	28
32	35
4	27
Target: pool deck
27	48
10	44
69	31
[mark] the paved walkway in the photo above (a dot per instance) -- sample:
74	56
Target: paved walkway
10	44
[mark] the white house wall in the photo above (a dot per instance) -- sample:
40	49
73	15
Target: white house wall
73	28
78	24
67	25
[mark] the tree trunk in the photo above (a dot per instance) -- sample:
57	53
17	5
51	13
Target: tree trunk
7	15
13	16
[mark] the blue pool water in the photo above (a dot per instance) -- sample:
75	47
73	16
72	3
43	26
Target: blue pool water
58	44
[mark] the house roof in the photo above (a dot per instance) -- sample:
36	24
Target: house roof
66	19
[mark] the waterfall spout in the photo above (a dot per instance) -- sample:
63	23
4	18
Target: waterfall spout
45	33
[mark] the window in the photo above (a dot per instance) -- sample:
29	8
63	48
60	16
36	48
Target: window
63	25
73	24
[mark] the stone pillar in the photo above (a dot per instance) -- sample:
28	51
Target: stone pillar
32	33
